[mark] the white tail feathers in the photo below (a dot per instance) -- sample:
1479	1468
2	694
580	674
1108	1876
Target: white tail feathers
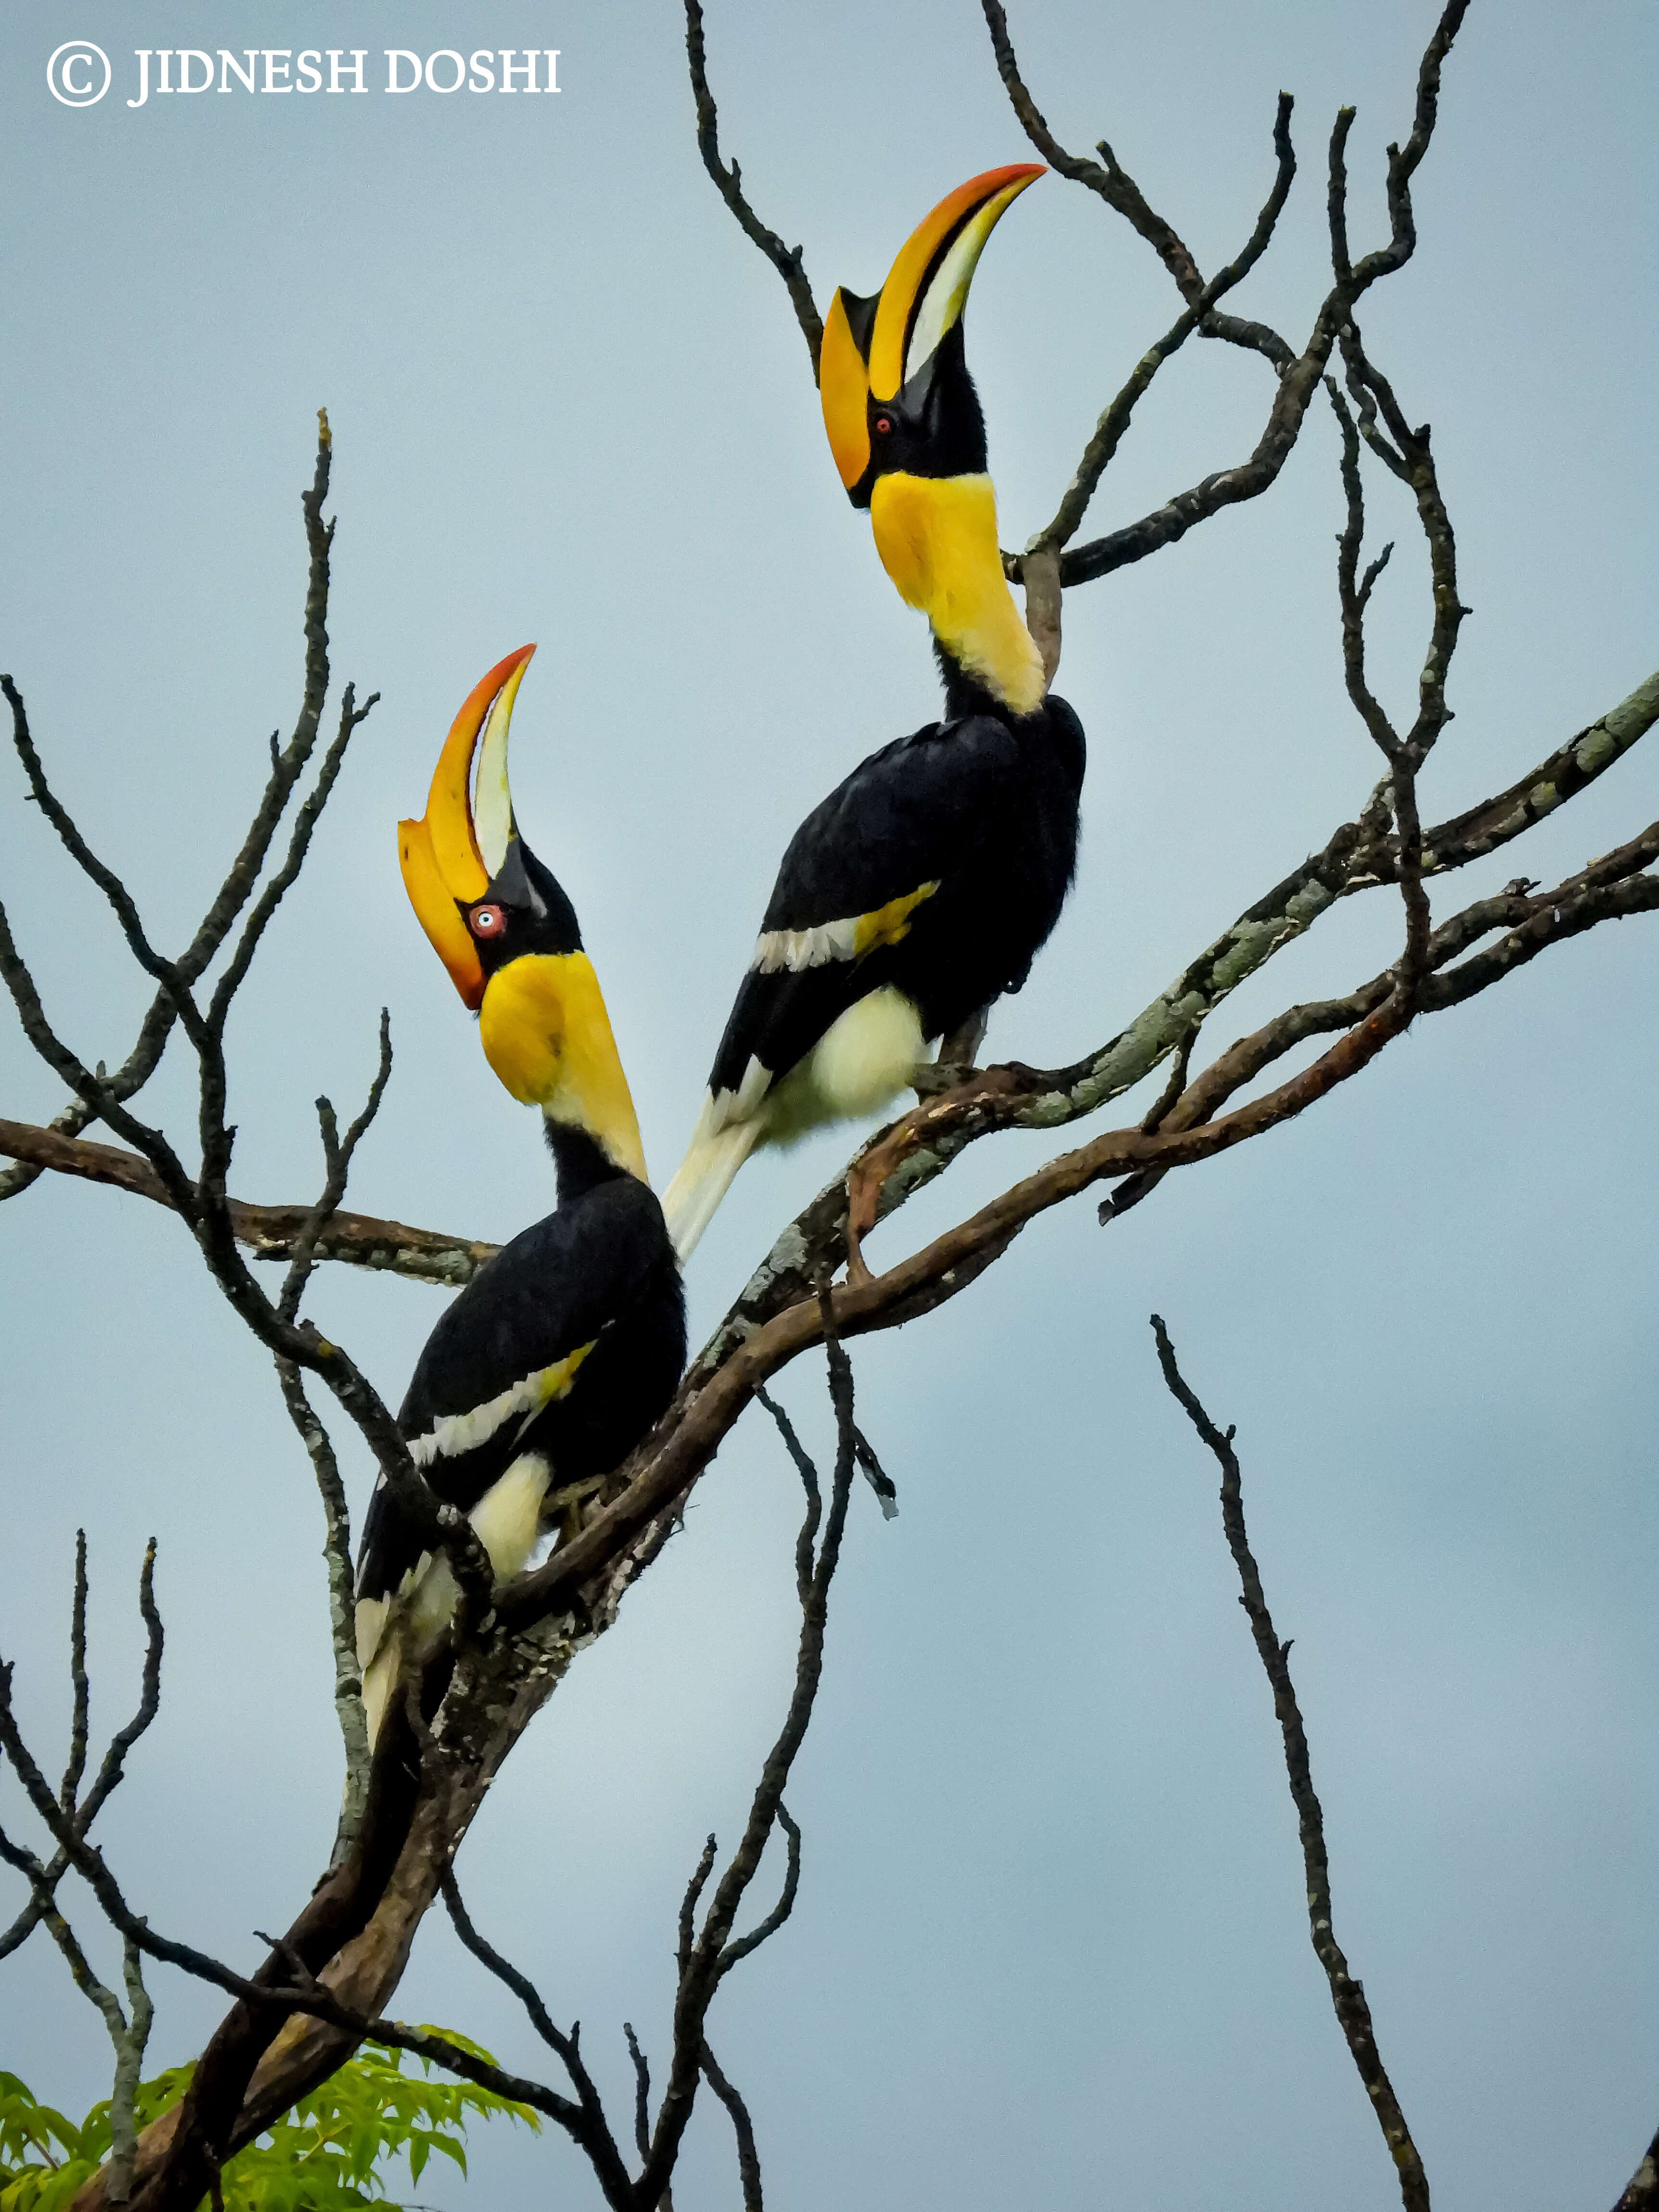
408	1623
381	1674
704	1176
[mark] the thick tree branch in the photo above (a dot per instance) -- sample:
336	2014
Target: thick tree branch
269	1232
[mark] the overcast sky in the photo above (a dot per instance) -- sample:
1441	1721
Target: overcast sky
1051	1944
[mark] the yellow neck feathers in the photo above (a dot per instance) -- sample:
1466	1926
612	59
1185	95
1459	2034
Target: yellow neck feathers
545	1031
937	537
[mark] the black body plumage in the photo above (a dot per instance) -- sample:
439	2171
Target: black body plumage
598	1271
986	806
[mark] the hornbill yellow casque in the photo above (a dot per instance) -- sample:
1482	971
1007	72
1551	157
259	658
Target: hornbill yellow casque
922	889
564	1348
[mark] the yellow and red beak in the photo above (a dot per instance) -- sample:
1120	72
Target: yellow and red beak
451	854
873	346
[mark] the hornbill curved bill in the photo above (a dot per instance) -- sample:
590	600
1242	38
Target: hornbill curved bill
564	1348
922	888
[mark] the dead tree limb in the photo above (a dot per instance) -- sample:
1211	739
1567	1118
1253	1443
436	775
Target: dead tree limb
1642	2192
1353	2013
70	1819
729	183
269	1232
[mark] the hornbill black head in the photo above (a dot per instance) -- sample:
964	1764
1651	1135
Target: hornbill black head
892	375
503	926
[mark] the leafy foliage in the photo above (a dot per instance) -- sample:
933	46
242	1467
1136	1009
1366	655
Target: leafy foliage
328	2154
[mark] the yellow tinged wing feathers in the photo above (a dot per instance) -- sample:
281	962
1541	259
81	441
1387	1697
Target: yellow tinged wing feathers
555	1381
889	923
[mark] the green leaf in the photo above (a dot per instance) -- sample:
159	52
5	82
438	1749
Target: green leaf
331	2154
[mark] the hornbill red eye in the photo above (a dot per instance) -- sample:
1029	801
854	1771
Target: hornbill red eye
488	921
884	425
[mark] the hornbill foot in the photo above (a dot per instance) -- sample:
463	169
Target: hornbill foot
563	1509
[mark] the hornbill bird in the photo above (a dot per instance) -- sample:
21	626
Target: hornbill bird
922	888
564	1348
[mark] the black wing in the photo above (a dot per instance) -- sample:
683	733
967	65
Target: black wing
915	813
586	1270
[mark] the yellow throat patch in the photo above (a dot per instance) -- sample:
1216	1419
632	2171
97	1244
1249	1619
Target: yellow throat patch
546	1033
937	537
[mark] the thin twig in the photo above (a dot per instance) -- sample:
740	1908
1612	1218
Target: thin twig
1114	420
728	182
338	1157
342	1615
1298	373
584	2120
749	2172
706	1956
287	765
642	2091
1347	1997
70	1788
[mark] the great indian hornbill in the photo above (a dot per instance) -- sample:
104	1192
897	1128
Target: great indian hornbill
564	1349
922	888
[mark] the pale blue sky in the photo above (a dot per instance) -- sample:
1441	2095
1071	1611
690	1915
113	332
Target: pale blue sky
1050	1944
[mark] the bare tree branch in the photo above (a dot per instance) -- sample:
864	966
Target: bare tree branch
1348	1998
342	1608
299	844
728	182
706	1957
1642	2192
69	1819
337	1159
1118	190
271	1232
749	2172
206	1206
584	2119
1115	420
1359	856
1297	373
287	765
